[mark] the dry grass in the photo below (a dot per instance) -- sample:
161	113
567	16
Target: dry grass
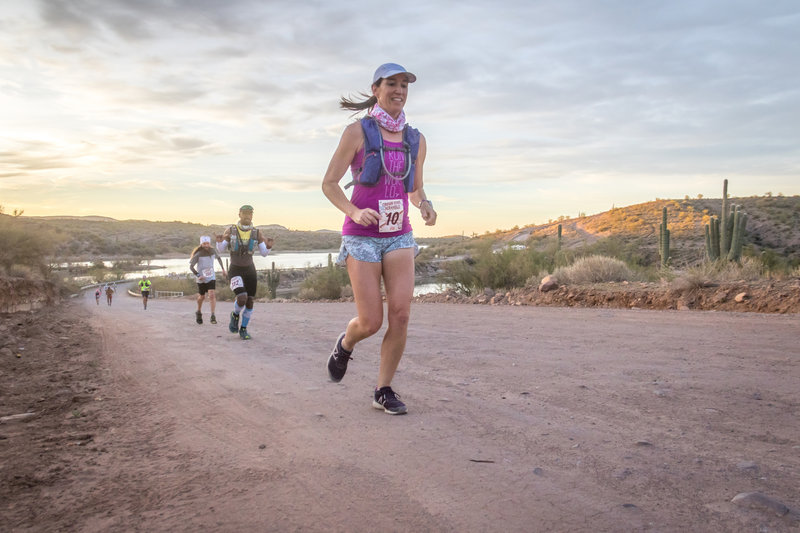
714	272
595	269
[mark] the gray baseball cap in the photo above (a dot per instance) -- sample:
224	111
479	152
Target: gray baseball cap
388	70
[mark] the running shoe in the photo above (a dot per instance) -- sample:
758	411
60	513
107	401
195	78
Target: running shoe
386	399
199	316
243	334
213	319
233	325
337	362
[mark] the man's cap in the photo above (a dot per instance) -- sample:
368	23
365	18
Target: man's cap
387	70
246	207
205	239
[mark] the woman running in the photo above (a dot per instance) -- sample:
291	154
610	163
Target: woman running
386	157
201	264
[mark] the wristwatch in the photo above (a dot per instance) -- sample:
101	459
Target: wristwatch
429	202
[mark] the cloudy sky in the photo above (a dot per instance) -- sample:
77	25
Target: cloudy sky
186	109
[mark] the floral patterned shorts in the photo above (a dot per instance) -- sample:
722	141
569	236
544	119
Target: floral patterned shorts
372	249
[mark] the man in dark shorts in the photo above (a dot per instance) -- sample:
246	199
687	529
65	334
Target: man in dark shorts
144	287
243	239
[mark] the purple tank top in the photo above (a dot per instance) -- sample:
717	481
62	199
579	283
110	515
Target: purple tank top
388	197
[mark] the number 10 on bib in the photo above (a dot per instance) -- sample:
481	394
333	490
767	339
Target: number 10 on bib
391	212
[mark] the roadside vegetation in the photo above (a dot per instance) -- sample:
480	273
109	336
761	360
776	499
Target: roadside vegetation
90	238
622	244
329	283
188	286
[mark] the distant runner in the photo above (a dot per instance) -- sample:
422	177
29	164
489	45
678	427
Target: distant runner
203	259
109	293
144	287
97	293
243	239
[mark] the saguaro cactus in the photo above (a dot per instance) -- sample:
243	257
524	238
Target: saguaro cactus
724	243
558	243
712	239
737	234
663	239
725	235
273	278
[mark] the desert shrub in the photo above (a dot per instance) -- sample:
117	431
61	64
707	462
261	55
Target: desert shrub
66	285
174	284
629	250
497	269
775	265
460	275
326	284
594	269
535	280
101	275
712	272
21	248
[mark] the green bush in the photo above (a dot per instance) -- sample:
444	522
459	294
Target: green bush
595	269
629	251
327	284
710	272
185	285
22	248
777	266
497	269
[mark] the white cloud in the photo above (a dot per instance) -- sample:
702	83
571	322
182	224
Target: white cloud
509	93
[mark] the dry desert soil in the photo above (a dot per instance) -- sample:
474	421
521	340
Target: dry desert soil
521	419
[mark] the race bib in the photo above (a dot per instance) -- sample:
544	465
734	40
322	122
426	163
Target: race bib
237	283
391	212
208	273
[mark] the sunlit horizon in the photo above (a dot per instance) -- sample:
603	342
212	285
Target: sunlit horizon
532	110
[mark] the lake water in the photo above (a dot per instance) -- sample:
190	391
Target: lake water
281	260
180	266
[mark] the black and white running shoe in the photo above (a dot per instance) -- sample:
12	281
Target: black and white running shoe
386	399
337	362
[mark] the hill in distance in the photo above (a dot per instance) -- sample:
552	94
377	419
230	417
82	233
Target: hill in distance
773	224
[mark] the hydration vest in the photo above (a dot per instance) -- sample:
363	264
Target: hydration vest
238	246
374	166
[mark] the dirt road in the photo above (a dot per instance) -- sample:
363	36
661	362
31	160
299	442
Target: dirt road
520	419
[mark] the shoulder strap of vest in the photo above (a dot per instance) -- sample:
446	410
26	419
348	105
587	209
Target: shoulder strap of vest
372	135
236	240
411	136
253	239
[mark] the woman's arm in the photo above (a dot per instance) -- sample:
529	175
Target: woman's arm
349	144
417	196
